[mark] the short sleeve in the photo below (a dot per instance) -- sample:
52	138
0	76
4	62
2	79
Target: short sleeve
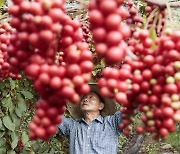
66	125
115	120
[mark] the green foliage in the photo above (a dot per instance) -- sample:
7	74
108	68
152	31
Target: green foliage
1	2
17	101
8	123
174	139
27	94
153	36
15	98
17	107
122	140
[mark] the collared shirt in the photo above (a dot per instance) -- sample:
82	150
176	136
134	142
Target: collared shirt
99	137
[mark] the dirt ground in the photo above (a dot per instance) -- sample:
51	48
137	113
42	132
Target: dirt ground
139	144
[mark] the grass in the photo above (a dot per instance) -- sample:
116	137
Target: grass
174	139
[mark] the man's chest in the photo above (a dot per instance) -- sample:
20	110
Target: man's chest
96	134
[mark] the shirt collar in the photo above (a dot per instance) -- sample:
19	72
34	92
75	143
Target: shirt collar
99	119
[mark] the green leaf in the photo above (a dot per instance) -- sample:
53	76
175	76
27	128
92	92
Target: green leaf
1	113
18	112
28	151
51	151
25	138
7	84
2	142
7	102
15	119
1	134
11	152
2	150
5	92
27	94
26	83
28	145
14	139
21	107
2	85
12	83
11	108
20	98
98	66
0	123
153	36
8	123
3	128
1	2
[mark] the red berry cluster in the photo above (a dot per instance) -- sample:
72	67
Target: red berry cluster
38	23
45	31
152	84
108	32
5	32
48	30
134	17
71	33
52	83
143	48
156	82
44	122
64	81
86	32
113	83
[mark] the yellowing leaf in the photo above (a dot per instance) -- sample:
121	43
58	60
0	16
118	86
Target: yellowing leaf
1	2
153	36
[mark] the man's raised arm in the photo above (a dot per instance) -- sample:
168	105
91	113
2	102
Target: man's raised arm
66	125
115	120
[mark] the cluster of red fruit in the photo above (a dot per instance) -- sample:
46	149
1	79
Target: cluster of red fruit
38	26
86	32
44	122
38	23
48	45
152	84
108	30
113	83
156	82
66	81
43	29
134	17
5	32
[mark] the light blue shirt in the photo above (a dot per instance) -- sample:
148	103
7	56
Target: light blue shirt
99	137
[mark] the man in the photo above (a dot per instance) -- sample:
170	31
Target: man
95	131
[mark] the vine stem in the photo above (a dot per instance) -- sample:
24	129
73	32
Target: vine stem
169	13
151	16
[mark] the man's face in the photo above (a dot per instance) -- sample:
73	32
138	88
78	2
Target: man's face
91	103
